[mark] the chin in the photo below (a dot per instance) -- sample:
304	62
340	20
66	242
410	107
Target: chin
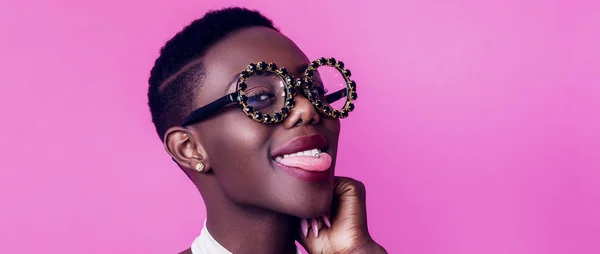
312	208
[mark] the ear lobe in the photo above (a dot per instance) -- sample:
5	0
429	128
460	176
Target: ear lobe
184	148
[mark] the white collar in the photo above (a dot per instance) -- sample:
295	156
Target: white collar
206	244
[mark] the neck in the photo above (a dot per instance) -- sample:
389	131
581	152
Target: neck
242	229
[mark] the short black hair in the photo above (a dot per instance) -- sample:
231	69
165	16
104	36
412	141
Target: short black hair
176	75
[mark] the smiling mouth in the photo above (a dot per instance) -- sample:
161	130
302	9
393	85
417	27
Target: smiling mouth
305	157
308	160
311	152
307	153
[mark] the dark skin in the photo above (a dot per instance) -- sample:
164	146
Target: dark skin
253	207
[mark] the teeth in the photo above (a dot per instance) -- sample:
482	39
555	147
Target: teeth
313	152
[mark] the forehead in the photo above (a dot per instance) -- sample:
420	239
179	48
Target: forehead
231	55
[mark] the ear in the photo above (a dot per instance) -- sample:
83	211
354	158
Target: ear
185	148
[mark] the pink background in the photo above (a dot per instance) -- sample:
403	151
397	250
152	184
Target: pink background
477	128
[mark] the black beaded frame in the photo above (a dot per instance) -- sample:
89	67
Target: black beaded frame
291	85
349	91
290	90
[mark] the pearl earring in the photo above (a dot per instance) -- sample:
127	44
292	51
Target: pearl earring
200	167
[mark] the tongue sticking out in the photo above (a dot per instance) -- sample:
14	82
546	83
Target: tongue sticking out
308	163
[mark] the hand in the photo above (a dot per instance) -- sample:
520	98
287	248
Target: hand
347	232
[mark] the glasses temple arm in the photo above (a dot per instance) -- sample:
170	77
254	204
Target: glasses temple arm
209	109
336	96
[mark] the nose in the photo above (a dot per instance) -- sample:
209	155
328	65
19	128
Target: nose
303	113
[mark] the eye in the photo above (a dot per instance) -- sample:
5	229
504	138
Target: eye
260	96
261	99
319	88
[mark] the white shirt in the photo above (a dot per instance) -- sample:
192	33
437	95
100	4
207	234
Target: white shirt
206	244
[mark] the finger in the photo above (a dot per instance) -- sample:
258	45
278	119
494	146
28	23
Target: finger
309	243
350	201
349	186
303	238
304	227
326	220
315	227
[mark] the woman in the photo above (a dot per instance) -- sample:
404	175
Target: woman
244	114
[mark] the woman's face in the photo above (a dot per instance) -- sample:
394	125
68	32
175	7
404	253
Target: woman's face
242	152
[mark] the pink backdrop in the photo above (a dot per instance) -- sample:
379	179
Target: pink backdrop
477	127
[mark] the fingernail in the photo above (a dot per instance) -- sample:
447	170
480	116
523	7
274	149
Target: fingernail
326	220
304	226
315	227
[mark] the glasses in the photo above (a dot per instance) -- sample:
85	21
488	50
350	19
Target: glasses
266	93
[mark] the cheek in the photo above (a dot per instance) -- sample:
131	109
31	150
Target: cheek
333	125
238	151
233	132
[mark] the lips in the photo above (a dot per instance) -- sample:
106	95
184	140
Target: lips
305	158
304	143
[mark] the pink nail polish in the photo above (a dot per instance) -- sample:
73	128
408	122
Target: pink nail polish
315	227
326	220
304	227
